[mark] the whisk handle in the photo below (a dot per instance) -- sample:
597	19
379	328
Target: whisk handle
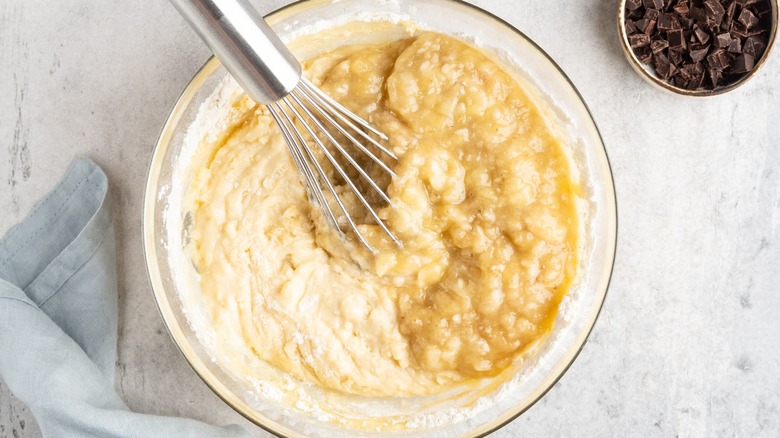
245	44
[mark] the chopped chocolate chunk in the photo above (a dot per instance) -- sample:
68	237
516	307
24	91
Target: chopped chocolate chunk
633	5
663	67
652	14
692	72
697	81
731	9
738	30
725	26
659	45
714	11
686	73
664	22
646	26
701	35
695	84
698	15
715	76
672	70
631	27
699	54
682	8
676	57
639	40
747	18
644	54
754	46
718	59
743	63
653	4
735	46
723	40
676	39
635	14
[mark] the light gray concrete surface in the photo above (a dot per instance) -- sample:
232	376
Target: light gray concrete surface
688	342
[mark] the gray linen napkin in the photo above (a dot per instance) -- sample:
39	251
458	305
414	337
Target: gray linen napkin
58	317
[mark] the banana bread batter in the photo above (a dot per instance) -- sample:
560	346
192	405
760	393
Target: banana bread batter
483	202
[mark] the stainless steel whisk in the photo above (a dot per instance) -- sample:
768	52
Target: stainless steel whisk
271	75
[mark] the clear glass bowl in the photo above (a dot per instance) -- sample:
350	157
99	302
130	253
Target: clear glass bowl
531	378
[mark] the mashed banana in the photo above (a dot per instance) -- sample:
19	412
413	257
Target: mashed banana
483	201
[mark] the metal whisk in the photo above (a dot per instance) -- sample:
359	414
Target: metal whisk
271	75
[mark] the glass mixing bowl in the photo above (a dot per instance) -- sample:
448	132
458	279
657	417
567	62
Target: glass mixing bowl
523	384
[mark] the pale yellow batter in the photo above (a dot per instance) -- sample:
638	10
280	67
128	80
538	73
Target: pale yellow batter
483	202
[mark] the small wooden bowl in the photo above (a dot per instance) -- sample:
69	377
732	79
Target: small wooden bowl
649	75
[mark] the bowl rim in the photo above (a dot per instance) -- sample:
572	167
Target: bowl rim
640	68
198	365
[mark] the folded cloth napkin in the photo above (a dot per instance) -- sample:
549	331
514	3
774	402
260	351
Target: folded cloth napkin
58	318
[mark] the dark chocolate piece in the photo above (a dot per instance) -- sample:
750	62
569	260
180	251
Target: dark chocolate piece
652	14
664	22
639	40
678	82
738	30
646	26
701	35
747	18
731	9
723	40
698	68
633	5
754	46
643	54
718	60
676	39
653	4
695	84
699	16
686	73
663	67
743	63
658	45
715	76
714	11
631	27
699	54
698	80
676	57
635	14
735	46
682	8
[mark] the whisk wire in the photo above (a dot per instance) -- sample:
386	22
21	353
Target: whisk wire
302	164
353	140
296	138
337	109
359	120
341	149
337	167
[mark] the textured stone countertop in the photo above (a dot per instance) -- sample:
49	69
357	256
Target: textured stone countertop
688	342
